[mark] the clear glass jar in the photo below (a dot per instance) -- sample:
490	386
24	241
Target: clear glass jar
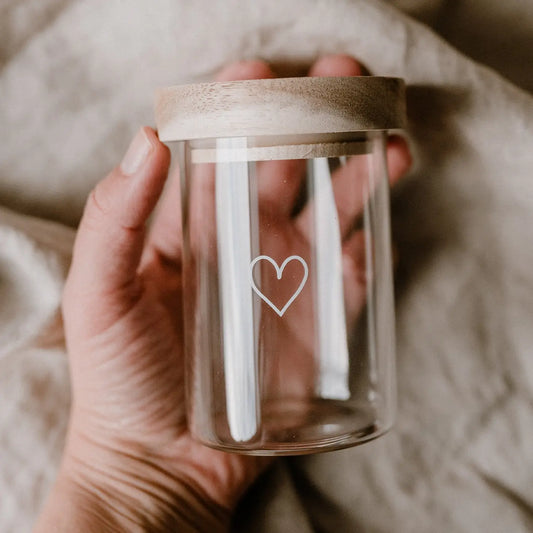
288	297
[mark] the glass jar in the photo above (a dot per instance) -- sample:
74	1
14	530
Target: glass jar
288	296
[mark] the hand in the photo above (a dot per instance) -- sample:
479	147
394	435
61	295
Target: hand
130	462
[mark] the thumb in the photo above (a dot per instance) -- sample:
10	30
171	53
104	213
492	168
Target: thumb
110	238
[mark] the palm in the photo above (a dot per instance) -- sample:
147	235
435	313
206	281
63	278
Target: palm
134	388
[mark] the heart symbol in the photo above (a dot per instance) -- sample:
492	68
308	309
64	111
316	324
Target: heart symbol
279	274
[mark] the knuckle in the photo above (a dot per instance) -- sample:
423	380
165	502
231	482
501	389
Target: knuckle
98	199
101	202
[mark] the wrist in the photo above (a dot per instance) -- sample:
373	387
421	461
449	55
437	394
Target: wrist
125	488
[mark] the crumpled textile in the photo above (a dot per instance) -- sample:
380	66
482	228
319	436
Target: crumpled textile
77	79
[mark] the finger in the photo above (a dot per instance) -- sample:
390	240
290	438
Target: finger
343	190
354	274
202	189
399	159
278	186
245	70
165	239
351	183
350	191
336	65
278	182
202	206
110	238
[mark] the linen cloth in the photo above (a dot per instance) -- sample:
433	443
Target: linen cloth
77	79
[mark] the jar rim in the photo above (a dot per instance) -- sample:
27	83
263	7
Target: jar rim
280	106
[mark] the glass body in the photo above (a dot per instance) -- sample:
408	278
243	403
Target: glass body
288	299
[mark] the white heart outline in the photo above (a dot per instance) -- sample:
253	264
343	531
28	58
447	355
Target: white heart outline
279	274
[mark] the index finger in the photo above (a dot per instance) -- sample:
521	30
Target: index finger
165	239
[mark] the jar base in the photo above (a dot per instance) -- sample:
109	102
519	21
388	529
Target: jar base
297	427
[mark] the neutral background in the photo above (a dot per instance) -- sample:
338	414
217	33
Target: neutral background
76	81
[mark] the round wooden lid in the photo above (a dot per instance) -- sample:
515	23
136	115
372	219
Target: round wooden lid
280	106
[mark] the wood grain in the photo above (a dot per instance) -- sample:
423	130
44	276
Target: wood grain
281	106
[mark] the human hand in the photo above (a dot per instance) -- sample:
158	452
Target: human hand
130	462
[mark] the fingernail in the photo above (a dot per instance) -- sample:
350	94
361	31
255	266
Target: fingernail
137	153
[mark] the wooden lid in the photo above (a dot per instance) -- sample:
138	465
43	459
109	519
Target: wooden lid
280	106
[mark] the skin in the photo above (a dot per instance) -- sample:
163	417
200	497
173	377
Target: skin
130	463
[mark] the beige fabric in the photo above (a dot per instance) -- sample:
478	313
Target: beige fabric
77	79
